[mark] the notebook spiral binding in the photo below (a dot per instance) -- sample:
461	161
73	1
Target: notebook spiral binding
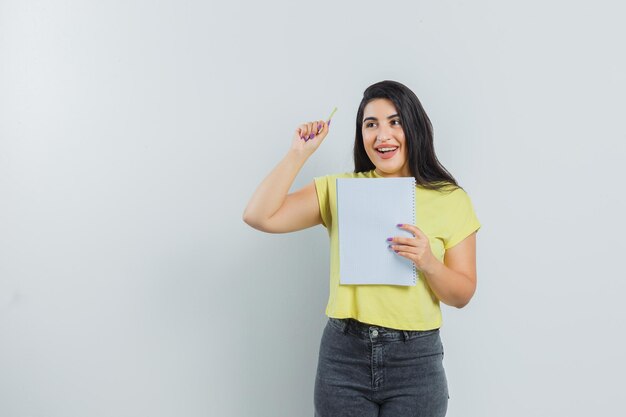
414	222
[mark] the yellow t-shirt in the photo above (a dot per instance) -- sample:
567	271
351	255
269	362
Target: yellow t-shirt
445	217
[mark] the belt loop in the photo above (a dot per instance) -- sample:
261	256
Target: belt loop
344	322
406	335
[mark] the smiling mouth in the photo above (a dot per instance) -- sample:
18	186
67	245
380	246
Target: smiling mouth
387	152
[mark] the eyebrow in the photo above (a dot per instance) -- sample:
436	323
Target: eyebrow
373	118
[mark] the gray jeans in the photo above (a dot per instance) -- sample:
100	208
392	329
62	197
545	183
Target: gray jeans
366	370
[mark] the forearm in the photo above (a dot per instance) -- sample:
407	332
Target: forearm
451	287
271	193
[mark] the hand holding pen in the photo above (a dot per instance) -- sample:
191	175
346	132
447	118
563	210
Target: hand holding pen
309	136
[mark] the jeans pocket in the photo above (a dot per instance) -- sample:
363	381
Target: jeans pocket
336	324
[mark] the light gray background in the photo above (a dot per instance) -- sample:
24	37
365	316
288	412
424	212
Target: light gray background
133	133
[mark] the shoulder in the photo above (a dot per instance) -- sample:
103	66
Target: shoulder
325	181
459	198
455	194
368	174
445	191
446	199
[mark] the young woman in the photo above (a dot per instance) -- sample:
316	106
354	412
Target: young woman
381	353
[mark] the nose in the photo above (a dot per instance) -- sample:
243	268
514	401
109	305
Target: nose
383	134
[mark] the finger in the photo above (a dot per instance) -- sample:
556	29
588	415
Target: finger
413	229
304	133
409	241
307	131
320	126
312	129
405	254
323	131
403	249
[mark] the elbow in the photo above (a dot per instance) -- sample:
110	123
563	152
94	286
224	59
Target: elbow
462	302
254	222
247	219
250	220
456	302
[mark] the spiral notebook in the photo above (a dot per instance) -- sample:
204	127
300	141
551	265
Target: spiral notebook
368	210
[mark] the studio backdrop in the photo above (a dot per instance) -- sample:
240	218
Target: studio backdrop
133	133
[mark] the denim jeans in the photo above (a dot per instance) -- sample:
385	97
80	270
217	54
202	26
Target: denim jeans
366	370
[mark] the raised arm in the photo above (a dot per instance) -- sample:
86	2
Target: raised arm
271	209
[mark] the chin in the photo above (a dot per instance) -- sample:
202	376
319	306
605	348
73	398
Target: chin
391	171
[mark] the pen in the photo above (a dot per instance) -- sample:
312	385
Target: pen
328	121
331	115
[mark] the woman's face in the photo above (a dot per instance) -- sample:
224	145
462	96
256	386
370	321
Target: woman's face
383	139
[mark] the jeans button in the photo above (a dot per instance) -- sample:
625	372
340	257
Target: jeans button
374	333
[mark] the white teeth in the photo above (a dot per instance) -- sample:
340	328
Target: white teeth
386	149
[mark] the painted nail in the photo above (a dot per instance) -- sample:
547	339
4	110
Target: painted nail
328	124
312	135
389	239
319	126
396	251
399	225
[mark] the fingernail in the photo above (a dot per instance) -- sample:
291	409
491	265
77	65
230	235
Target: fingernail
328	123
399	225
312	135
389	239
319	126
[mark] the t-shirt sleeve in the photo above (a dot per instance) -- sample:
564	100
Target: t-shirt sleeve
462	219
321	188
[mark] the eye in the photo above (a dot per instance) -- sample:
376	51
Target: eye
396	122
369	124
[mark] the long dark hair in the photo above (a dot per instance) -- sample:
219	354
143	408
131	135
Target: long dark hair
418	131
